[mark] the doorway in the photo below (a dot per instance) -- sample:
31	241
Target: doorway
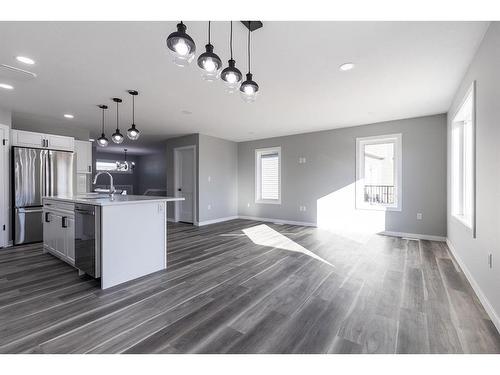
185	183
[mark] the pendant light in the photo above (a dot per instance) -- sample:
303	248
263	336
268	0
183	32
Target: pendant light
249	88
133	133
209	62
181	46
231	76
102	140
117	137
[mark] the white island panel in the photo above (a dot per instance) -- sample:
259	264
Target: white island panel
134	241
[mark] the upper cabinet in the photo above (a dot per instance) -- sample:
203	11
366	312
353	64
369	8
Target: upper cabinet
83	150
40	140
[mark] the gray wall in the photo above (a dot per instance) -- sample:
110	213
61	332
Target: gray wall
218	178
484	69
152	171
329	174
187	140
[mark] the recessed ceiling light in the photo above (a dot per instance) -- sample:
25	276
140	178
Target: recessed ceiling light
347	66
67	115
25	60
6	86
91	140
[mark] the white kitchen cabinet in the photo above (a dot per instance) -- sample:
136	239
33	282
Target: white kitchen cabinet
40	140
83	151
27	139
59	231
59	142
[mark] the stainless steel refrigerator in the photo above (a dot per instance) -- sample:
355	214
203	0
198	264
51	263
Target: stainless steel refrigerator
37	173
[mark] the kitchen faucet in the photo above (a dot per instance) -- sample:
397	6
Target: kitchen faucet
111	186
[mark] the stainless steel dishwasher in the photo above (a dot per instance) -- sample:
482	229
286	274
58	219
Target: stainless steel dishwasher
88	239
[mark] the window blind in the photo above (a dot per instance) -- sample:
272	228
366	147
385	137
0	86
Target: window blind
269	167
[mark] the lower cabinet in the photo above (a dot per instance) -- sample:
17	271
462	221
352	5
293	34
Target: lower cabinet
59	234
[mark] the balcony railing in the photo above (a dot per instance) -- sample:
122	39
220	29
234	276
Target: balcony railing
379	194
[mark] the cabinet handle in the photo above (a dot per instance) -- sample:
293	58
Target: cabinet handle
64	222
47	217
90	168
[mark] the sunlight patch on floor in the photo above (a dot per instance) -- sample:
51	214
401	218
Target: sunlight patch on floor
266	236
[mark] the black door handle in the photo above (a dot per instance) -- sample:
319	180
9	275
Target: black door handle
64	222
179	189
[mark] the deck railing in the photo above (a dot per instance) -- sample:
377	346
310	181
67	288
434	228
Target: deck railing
382	194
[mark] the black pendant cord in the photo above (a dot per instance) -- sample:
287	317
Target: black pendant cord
117	123
133	109
249	50
103	121
208	32
231	40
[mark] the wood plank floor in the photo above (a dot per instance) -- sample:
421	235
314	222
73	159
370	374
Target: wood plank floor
250	287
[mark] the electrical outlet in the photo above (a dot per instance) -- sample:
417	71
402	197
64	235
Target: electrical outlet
302	160
419	216
302	208
209	207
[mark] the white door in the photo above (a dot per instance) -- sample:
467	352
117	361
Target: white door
185	183
4	185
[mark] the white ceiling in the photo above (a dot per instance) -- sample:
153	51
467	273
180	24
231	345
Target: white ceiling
403	69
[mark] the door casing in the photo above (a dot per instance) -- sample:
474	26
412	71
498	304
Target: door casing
177	182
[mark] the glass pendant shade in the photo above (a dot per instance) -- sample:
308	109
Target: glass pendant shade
231	76
133	133
209	63
181	46
117	137
102	140
249	89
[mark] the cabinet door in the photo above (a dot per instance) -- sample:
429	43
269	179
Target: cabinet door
83	152
48	231
27	139
59	237
59	142
70	239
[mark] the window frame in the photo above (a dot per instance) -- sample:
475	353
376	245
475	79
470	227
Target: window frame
458	125
397	139
258	177
129	171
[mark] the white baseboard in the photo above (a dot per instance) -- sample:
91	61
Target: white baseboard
414	235
484	300
171	220
213	221
279	221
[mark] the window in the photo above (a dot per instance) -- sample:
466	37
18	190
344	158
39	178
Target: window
114	166
268	175
378	174
463	161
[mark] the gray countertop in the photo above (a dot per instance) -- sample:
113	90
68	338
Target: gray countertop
106	200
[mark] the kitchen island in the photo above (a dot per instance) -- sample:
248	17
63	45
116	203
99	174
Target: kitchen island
115	238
